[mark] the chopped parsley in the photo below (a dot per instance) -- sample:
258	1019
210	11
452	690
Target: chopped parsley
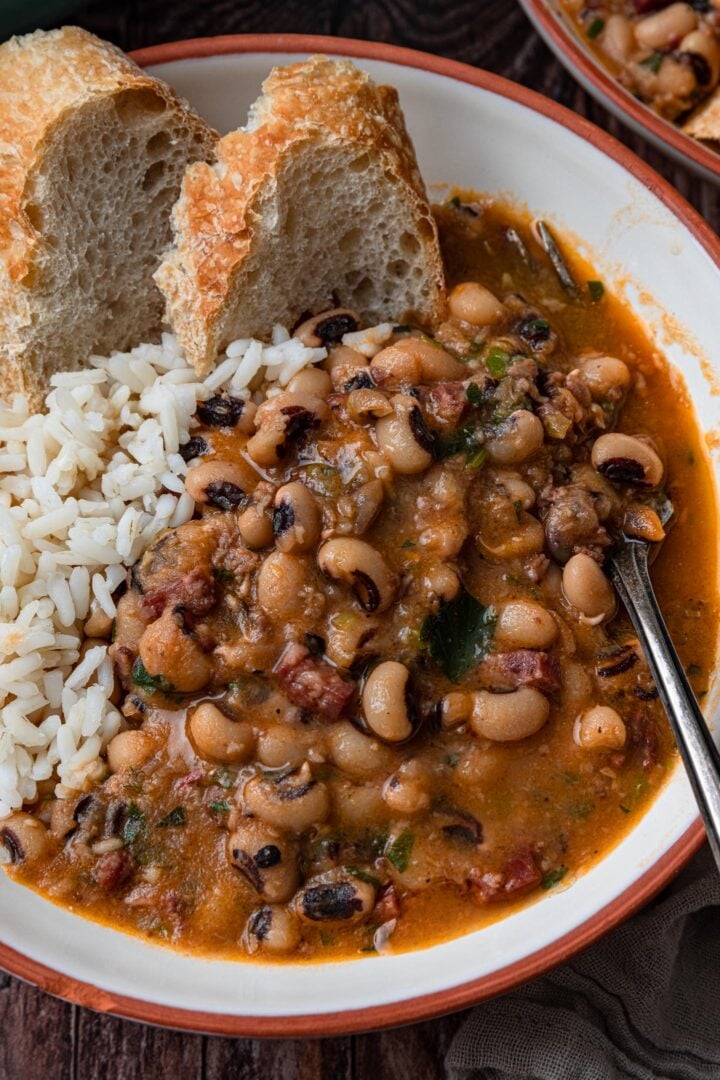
517	507
174	819
596	290
362	875
596	27
553	877
399	850
220	807
653	62
150	683
221	574
497	362
474	394
459	634
134	824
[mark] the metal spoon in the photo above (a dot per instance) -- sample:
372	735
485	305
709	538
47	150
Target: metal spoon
628	567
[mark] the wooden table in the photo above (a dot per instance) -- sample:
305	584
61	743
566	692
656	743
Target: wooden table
43	1038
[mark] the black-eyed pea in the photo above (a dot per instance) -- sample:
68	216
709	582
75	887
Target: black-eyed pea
368	501
272	929
386	702
604	375
587	589
414	360
311	380
292	801
169	650
705	44
284	745
455	709
297	519
255	525
23	839
403	437
517	438
129	750
617	39
600	728
441	582
328	328
365	404
266	858
356	754
509	717
473	303
281	580
525	624
348	366
280	421
224	484
218	738
627	459
407	790
662	29
362	567
339	902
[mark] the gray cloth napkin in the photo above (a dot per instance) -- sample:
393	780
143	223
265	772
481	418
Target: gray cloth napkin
642	1004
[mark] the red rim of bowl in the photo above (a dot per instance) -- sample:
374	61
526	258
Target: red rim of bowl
430	1005
569	45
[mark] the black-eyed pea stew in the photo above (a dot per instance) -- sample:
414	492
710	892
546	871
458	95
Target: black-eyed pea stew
665	53
380	688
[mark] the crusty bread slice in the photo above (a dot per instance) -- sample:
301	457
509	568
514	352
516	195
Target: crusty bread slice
704	121
318	202
92	152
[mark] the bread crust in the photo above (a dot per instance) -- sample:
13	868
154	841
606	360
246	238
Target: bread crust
45	78
217	214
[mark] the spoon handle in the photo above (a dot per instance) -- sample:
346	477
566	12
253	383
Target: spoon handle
629	572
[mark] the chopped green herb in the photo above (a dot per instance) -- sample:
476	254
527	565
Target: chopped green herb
323	479
362	875
625	809
474	394
653	62
476	459
326	939
596	27
497	361
399	850
221	574
220	807
553	877
376	843
408	544
459	634
147	682
596	290
580	810
224	778
451	760
172	820
517	507
693	670
134	824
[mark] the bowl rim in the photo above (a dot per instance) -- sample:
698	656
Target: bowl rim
451	999
568	46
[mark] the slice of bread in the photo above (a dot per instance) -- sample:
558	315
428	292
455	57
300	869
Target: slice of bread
92	152
317	203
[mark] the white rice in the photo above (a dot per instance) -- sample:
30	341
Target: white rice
84	487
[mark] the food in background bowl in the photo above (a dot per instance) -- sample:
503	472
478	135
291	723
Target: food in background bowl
665	53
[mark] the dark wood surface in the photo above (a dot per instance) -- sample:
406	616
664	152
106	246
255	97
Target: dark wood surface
42	1038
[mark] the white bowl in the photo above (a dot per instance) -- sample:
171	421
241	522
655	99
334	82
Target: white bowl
477	131
562	36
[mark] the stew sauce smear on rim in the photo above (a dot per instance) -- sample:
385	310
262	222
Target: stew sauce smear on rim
379	691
